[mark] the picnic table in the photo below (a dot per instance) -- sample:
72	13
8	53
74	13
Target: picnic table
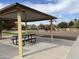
25	38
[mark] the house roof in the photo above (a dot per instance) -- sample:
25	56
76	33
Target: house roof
28	14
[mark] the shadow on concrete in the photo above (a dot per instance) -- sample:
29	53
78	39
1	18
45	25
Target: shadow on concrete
8	51
39	51
60	42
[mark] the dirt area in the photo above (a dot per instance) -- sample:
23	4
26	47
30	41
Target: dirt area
59	34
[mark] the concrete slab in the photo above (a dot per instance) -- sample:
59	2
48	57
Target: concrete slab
43	49
74	53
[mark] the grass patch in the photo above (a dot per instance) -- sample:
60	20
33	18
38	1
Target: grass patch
15	33
9	33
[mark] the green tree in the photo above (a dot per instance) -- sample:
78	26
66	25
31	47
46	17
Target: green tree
41	26
9	24
71	23
47	27
1	28
75	20
63	25
6	25
34	27
76	24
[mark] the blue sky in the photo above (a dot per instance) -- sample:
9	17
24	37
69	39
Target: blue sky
65	10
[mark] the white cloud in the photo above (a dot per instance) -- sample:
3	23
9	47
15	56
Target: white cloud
3	5
70	6
74	7
49	7
60	8
63	6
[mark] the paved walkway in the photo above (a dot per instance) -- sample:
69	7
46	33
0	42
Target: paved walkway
43	49
74	53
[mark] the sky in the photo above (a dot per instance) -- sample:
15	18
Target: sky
64	10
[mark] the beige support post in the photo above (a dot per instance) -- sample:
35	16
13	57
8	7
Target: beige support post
51	34
25	27
25	21
20	34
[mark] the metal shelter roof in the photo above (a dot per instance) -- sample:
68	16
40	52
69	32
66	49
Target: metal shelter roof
10	13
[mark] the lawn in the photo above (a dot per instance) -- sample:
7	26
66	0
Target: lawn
16	33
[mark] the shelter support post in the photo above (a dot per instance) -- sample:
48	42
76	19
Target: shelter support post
25	27
20	34
51	29
25	17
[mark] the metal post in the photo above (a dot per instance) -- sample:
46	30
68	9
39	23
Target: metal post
25	21
19	34
51	34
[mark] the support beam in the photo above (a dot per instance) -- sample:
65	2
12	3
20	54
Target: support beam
51	29
25	17
25	27
19	34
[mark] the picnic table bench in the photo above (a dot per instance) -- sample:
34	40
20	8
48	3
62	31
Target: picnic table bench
25	38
